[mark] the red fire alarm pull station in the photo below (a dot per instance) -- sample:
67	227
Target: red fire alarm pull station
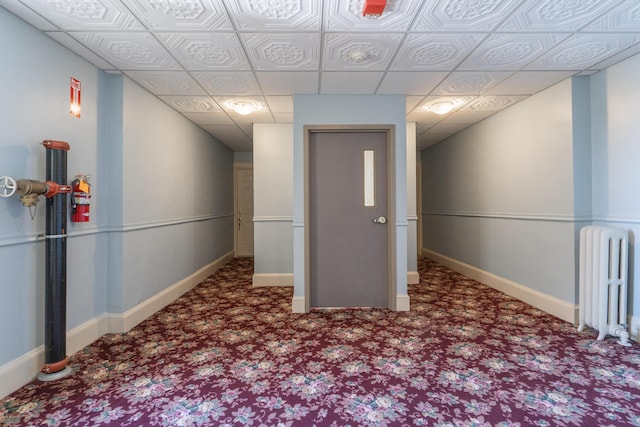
373	8
74	98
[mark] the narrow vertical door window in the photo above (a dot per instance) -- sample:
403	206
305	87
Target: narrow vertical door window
369	178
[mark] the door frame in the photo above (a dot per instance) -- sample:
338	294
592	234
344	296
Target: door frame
391	204
237	166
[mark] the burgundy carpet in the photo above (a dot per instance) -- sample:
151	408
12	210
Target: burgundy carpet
228	355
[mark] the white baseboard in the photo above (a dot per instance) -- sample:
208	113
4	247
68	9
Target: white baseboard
402	303
272	279
124	322
23	369
413	277
298	305
552	305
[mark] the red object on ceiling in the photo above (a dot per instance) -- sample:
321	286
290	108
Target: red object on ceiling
373	7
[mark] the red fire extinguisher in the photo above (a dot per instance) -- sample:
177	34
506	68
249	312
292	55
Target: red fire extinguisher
80	200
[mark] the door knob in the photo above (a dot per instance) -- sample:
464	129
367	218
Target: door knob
380	220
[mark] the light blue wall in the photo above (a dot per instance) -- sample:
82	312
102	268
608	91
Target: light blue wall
350	110
500	195
510	194
616	160
162	204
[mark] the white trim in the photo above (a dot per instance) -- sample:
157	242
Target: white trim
23	369
552	305
124	322
413	277
264	218
513	215
272	279
298	305
402	303
634	328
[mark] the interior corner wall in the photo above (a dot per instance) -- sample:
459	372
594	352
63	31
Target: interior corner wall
273	202
499	196
615	134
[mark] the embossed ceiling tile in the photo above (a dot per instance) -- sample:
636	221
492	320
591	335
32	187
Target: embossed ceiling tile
556	15
288	82
66	40
129	51
465	15
231	136
212	118
434	52
290	15
614	59
528	82
492	103
582	51
227	82
191	104
469	82
196	15
86	15
510	51
280	104
411	82
276	51
350	82
166	82
346	15
28	15
213	51
625	17
359	52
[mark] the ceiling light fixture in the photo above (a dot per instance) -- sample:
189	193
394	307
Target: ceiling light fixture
358	56
243	107
373	8
441	107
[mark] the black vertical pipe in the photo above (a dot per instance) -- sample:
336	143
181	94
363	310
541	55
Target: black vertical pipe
55	312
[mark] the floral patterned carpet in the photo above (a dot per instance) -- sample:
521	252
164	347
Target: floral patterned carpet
226	354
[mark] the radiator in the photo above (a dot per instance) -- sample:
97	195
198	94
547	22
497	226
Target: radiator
603	281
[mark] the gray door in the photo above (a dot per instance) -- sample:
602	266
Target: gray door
348	240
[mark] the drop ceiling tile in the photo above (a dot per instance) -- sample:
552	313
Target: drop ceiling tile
359	52
66	40
582	51
343	15
434	52
103	15
166	82
614	59
283	117
528	82
470	82
129	51
202	15
556	15
412	102
210	118
191	104
211	51
279	51
510	51
350	82
411	82
623	18
461	15
222	83
492	103
288	82
231	136
280	104
467	117
264	15
28	15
